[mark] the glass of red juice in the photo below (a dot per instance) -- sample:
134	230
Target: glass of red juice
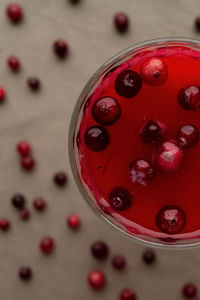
134	142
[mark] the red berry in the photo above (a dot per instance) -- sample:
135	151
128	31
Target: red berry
187	136
189	290
148	256
61	48
189	97
73	221
28	163
34	83
2	94
47	245
121	22
4	224
18	201
25	273
25	214
14	63
60	179
128	84
120	199
96	279
119	262
97	138
154	71
127	294
99	250
14	12
141	171
197	24
153	132
23	148
39	204
74	1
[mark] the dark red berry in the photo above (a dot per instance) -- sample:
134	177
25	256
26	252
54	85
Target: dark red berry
60	179
141	171
121	22
168	157
14	12
119	262
148	256
106	111
18	201
187	136
24	214
189	97
39	204
28	163
74	1
47	245
189	290
128	84
2	94
25	273
23	148
127	294
61	48
153	132
197	24
99	250
34	83
120	199
154	71
14	63
73	222
4	224
97	138
96	279
171	219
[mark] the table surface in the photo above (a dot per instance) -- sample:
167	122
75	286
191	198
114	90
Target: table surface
43	119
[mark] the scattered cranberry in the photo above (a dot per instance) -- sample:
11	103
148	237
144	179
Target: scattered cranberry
120	199
141	172
2	94
189	97
119	262
171	219
127	294
187	136
61	48
128	84
154	71
47	245
14	63
28	163
18	201
60	179
24	214
148	257
152	132
34	83
23	148
39	204
73	221
121	22
168	157
97	138
96	279
189	290
25	273
106	111
74	1
4	224
14	13
99	250
197	24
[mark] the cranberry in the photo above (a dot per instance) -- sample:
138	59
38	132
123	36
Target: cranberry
168	157
2	94
73	222
187	136
14	13
171	219
25	273
60	48
152	132
39	204
47	245
97	138
14	63
121	22
154	71
28	163
119	262
148	256
23	148
74	1
60	179
189	290
189	97
141	172
24	214
4	224
18	201
120	199
96	279
128	84
127	294
106	111
33	83
99	250
197	24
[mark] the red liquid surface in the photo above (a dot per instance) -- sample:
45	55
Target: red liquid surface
104	170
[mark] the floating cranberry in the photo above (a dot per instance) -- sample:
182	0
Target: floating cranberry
119	262
189	290
106	111
189	97
23	148
47	245
121	22
141	171
187	136
61	48
73	222
99	250
24	214
28	163
14	63
60	179
39	204
148	256
2	94
34	83
171	219
168	157
127	294
97	138
154	71
25	273
18	201
120	199
96	279
4	224
197	24
152	132
14	12
128	84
